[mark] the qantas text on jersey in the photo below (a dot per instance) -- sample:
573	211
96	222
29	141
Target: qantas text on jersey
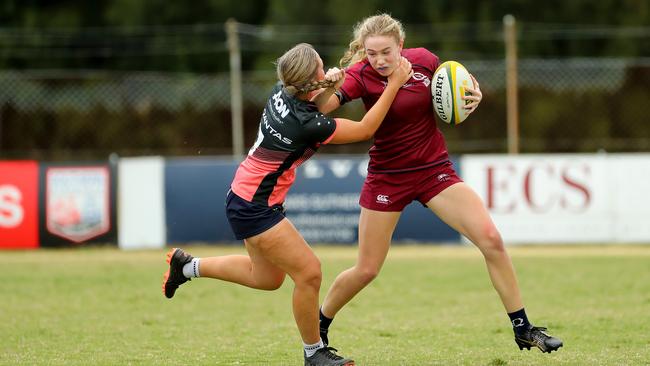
273	131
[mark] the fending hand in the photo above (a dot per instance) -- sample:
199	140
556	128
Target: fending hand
337	75
402	73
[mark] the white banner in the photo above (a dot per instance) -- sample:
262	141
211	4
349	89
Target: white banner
567	198
141	203
631	175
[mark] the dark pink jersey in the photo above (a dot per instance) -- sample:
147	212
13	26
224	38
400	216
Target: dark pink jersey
290	132
408	139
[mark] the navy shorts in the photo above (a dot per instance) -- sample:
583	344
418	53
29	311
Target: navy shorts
249	219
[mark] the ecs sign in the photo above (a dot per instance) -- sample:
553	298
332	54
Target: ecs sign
18	204
538	187
544	198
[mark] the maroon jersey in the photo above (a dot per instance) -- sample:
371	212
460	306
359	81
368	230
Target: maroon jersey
408	139
291	130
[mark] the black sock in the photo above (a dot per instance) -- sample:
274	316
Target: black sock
324	321
519	320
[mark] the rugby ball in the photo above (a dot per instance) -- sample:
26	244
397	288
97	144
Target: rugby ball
448	85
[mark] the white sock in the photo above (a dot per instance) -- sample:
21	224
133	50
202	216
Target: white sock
191	269
310	349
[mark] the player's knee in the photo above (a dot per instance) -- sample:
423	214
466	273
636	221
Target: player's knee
313	279
367	274
311	275
491	241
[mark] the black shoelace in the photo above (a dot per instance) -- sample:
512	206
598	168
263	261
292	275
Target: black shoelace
329	353
538	334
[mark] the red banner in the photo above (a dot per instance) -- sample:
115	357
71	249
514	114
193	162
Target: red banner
18	204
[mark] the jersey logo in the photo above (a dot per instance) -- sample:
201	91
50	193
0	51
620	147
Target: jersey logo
418	76
421	77
279	105
275	133
383	198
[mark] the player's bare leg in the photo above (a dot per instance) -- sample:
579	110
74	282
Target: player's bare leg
462	209
252	270
375	232
284	248
278	251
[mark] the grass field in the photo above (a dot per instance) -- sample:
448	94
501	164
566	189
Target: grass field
429	306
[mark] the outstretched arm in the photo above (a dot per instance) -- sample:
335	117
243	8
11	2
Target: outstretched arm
331	104
351	131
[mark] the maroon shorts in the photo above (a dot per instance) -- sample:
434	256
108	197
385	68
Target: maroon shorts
393	191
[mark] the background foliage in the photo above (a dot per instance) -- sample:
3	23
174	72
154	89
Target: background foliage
86	79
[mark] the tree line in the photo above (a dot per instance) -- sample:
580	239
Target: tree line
189	37
179	38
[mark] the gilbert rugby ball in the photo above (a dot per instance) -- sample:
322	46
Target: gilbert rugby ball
447	87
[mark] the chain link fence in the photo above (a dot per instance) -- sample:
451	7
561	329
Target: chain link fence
565	105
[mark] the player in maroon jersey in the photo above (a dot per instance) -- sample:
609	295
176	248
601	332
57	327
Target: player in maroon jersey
291	130
409	161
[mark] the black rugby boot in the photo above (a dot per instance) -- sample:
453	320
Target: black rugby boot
537	337
326	357
174	277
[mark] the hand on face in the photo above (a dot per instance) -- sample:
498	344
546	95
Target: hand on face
475	96
402	73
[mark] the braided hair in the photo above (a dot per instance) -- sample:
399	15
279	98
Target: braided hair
306	88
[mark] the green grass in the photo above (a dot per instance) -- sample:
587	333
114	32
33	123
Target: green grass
429	306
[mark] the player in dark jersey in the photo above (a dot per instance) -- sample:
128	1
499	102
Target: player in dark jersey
409	161
291	130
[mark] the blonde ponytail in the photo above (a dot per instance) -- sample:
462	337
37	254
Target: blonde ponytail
315	85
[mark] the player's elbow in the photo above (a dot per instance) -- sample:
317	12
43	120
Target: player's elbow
365	130
365	134
331	105
327	108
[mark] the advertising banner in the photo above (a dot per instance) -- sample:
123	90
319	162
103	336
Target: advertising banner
18	204
323	203
195	196
564	198
77	204
629	175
